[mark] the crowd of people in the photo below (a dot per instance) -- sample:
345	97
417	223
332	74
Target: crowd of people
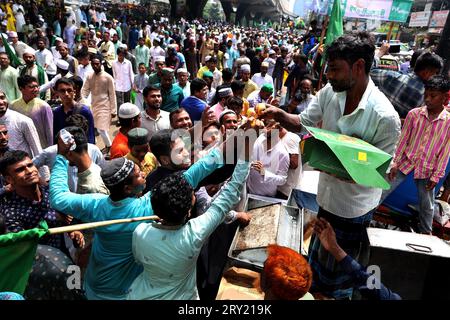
179	94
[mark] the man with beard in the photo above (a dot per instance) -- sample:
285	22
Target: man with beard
262	78
22	134
44	57
302	99
8	78
250	86
350	104
171	93
31	68
153	118
101	87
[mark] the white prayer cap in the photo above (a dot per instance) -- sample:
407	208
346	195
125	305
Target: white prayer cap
225	92
245	67
265	64
207	58
124	46
271	52
128	110
12	34
62	64
29	50
182	70
59	39
225	112
160	59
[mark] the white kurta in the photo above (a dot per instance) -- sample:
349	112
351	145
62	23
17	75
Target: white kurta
103	98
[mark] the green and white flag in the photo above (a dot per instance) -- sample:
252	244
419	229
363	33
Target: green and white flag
15	62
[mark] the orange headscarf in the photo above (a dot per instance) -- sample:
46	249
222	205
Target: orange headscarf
287	273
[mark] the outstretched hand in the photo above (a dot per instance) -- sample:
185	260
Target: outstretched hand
327	238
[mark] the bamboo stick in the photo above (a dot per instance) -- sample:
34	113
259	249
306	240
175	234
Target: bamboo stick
92	225
322	68
388	37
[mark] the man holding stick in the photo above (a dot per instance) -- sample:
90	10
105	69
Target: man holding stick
112	268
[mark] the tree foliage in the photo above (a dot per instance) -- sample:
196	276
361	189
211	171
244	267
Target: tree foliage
213	11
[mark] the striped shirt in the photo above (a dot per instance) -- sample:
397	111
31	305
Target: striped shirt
424	145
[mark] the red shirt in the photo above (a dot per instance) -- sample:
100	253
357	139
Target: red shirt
119	147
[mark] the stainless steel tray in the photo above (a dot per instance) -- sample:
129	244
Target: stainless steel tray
289	234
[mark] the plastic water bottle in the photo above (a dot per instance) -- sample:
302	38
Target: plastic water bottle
67	138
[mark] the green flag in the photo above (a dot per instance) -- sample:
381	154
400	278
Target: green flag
15	62
17	252
335	28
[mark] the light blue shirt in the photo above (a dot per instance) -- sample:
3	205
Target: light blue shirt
233	55
374	121
112	268
142	55
169	254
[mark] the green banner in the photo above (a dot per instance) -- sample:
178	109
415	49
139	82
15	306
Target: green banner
400	10
347	158
386	10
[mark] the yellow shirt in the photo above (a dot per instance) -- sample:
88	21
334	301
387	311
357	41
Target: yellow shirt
201	71
146	166
250	86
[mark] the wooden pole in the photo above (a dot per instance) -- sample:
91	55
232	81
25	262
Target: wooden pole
91	225
324	30
391	26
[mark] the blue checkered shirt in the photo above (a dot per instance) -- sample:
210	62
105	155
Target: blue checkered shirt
404	91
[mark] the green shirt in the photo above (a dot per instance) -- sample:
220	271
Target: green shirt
8	81
171	99
154	79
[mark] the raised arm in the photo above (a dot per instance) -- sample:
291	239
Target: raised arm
228	198
82	207
204	167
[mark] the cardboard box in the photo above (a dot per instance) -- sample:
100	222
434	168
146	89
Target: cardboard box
347	157
413	265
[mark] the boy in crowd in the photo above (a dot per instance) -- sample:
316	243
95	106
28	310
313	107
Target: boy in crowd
424	147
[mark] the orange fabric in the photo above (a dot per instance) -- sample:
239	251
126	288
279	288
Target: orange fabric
119	147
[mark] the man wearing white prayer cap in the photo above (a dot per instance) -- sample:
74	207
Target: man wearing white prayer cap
31	68
262	78
63	68
271	60
250	86
155	77
55	48
224	94
183	81
18	45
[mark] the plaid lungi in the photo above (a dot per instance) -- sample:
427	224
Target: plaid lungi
328	277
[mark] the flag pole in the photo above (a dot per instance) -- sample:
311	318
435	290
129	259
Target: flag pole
324	30
92	225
